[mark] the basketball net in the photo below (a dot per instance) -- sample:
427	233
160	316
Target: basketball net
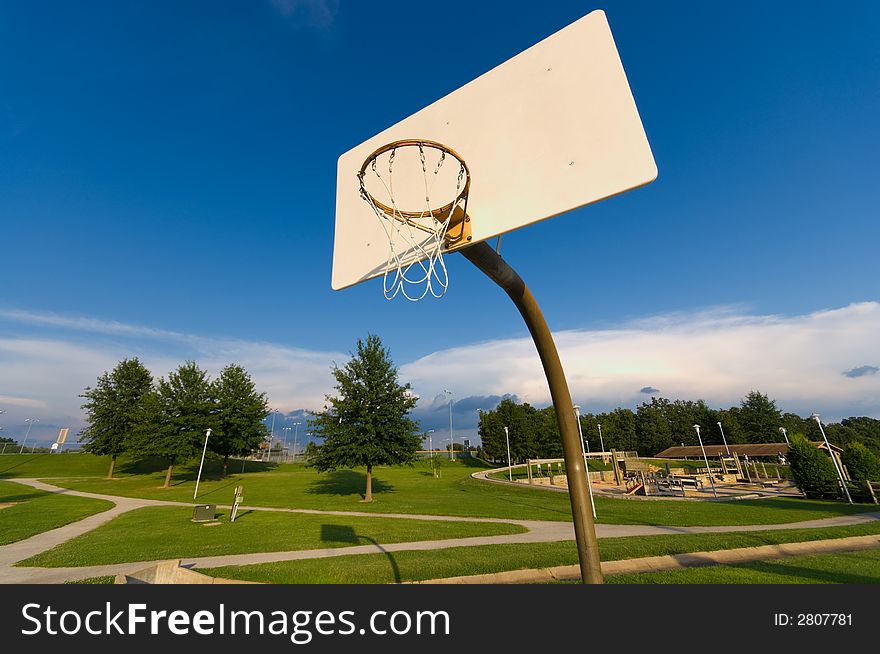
418	229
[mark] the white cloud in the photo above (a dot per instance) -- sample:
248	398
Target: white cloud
715	355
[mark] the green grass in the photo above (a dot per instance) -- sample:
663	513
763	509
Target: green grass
109	579
167	533
404	489
35	511
862	567
69	464
460	561
520	471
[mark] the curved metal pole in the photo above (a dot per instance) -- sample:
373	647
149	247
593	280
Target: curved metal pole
496	269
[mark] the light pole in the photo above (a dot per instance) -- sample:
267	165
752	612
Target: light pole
601	442
577	414
784	435
199	477
451	440
509	462
30	422
723	439
284	444
815	417
295	433
271	437
708	469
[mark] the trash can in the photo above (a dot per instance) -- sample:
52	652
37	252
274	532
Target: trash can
204	512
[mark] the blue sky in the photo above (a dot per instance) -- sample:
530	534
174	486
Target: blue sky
167	185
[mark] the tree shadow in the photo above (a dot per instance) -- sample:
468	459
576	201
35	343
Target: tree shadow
346	534
346	482
229	484
189	471
21	463
470	461
818	576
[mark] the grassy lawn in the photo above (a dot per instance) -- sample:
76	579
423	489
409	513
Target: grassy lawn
34	511
167	533
88	581
521	472
416	566
415	490
68	464
861	567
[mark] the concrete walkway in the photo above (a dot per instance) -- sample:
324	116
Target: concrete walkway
537	532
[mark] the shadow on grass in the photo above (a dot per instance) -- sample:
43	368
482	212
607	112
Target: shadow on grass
346	482
817	576
35	457
471	461
347	535
212	471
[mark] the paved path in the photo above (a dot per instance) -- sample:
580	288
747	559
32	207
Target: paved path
537	532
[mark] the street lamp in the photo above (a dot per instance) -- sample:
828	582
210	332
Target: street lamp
430	442
723	439
295	433
601	442
577	415
708	469
30	422
509	462
815	417
199	477
784	435
451	440
284	443
271	436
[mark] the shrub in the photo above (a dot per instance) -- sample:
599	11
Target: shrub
861	463
812	469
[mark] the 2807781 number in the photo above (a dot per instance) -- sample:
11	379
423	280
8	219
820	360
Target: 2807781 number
822	619
813	620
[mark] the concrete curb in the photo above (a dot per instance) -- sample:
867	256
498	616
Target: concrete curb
671	562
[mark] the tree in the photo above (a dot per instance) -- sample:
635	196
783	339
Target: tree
861	463
653	429
619	430
173	419
759	418
112	409
812	469
366	423
240	412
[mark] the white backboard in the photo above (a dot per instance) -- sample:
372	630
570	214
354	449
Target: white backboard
550	130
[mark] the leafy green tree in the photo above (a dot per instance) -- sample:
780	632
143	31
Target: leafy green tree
366	423
173	419
759	418
524	424
240	410
861	463
653	428
548	441
794	424
812	469
684	414
112	409
619	430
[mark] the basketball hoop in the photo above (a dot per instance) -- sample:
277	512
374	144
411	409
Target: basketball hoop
419	230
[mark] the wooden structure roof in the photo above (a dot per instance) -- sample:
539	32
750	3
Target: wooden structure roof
742	449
